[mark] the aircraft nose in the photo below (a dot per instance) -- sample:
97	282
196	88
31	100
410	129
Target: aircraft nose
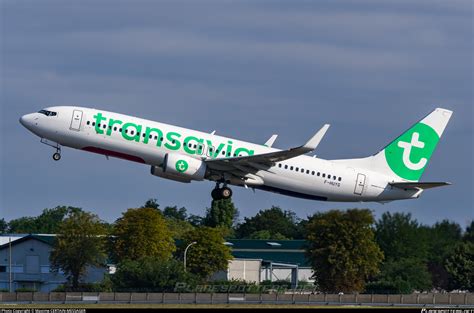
27	120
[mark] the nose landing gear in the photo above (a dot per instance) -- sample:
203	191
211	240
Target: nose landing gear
57	154
219	193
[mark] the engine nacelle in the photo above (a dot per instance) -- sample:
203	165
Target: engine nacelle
180	168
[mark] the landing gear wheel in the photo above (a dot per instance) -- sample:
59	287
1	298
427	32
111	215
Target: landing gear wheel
216	194
56	156
226	193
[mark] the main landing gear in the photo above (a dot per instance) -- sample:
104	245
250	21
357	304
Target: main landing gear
57	154
219	193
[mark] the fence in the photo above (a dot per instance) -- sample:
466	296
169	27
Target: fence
422	299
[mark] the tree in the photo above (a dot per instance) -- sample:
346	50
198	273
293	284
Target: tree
142	232
273	220
404	276
208	255
25	225
404	243
195	220
80	243
342	249
150	274
175	213
443	237
178	228
222	213
3	226
48	222
399	236
151	203
266	235
460	265
469	233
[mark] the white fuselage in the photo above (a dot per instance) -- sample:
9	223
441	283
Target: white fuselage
302	176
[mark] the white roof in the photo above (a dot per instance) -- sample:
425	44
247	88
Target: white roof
4	239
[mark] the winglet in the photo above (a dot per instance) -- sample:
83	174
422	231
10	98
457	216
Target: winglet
316	139
270	141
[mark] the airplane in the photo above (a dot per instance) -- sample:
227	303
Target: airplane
186	155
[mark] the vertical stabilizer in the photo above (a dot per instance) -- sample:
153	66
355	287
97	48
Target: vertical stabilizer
406	157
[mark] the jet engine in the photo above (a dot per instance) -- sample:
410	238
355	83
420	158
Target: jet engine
180	168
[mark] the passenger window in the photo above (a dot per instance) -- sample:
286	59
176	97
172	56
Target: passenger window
302	170
312	173
93	123
279	165
329	176
156	137
324	175
307	171
297	169
115	129
104	127
339	179
286	167
319	174
291	168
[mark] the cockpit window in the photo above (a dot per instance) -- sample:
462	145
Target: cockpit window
48	113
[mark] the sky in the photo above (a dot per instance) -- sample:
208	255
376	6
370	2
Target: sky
247	69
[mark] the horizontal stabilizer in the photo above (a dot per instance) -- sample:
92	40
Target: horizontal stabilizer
418	185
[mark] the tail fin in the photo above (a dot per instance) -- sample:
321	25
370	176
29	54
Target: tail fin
406	157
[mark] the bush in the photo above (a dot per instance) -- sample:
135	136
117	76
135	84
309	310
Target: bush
26	290
151	274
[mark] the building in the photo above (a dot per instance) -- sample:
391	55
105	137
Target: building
254	261
259	260
30	267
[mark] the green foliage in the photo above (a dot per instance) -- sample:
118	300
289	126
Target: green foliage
405	275
195	220
221	213
174	213
104	286
342	250
460	265
266	235
151	203
178	228
150	274
469	233
208	255
3	226
399	236
274	220
80	242
140	233
443	237
48	222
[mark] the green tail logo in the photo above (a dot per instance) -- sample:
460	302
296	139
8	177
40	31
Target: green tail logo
409	154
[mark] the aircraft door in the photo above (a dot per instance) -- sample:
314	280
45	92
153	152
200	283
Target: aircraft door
360	183
76	120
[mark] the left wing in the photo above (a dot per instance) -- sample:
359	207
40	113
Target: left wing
262	161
